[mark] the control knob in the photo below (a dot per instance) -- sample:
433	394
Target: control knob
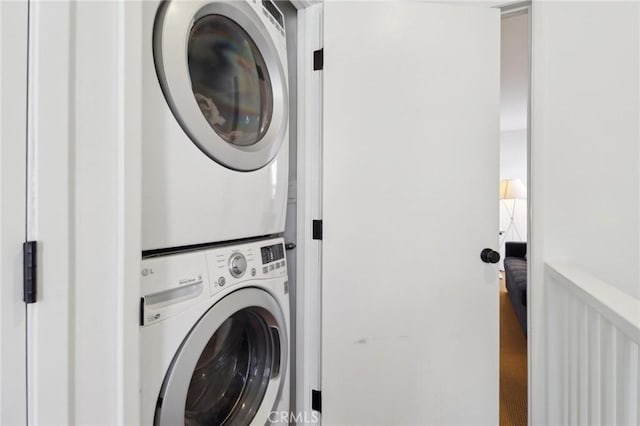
237	265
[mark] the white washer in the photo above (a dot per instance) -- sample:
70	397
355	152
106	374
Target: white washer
215	336
215	122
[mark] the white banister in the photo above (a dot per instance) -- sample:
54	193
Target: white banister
622	310
593	339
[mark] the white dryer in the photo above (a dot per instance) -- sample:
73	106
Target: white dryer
215	122
215	336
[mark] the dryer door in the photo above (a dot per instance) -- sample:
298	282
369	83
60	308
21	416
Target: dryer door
223	79
231	368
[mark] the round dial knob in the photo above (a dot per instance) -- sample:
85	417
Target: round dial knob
237	265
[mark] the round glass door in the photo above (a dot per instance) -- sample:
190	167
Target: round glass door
230	369
233	372
230	80
221	72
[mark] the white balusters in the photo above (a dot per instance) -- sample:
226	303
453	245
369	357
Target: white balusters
593	354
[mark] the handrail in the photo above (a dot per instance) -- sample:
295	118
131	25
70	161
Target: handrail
619	308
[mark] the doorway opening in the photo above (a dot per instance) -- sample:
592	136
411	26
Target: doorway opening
514	131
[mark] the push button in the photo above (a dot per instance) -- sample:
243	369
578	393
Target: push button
221	281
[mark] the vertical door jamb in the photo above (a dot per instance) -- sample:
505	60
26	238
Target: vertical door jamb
14	31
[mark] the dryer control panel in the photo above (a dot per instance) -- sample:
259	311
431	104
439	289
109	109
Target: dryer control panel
173	282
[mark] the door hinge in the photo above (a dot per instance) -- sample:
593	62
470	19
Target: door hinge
316	400
318	59
317	230
30	271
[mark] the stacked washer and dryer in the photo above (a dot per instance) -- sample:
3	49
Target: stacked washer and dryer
215	305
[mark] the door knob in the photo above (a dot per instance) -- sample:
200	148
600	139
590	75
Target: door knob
489	256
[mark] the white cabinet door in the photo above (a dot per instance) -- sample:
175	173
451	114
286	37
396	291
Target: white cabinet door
13	169
410	199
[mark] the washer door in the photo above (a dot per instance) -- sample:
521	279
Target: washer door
222	77
230	368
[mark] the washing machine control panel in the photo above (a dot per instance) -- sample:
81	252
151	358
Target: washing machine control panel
172	283
273	13
229	266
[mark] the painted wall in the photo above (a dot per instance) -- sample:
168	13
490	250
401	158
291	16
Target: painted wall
587	132
585	156
513	155
514	71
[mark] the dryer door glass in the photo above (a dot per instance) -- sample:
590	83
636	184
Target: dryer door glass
229	79
233	372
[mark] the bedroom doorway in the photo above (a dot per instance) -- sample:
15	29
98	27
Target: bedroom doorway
514	141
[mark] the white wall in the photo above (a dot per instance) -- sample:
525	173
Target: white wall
514	71
586	125
585	152
513	155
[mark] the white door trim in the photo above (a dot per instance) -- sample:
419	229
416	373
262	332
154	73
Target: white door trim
309	175
13	167
84	211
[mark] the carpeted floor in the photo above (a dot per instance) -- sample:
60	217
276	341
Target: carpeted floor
513	366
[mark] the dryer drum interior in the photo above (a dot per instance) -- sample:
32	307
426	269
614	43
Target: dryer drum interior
228	90
226	369
230	80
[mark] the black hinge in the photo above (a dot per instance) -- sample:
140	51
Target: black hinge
316	400
318	59
30	271
317	229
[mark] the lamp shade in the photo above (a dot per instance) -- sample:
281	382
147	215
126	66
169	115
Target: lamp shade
511	189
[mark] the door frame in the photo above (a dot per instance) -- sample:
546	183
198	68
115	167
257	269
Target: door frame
73	169
309	253
307	341
62	322
14	35
535	311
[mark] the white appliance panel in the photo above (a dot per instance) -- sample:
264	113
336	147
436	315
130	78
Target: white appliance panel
162	337
187	197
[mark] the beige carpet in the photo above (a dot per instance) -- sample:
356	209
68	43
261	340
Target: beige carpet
513	366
